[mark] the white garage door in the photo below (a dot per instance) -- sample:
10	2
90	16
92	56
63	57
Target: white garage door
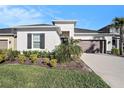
3	44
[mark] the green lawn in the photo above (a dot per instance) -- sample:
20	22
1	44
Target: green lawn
35	76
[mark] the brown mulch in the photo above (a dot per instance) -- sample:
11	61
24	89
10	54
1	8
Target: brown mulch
77	64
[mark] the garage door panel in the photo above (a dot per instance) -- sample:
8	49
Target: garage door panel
3	44
90	46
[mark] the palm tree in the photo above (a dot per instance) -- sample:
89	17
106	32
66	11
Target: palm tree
68	50
118	23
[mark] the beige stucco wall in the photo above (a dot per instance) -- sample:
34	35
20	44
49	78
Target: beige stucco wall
11	41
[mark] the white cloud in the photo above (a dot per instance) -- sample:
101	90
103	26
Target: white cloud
20	15
49	12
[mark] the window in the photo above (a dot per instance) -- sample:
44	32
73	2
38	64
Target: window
65	33
36	40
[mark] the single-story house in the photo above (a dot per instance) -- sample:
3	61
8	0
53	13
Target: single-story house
47	36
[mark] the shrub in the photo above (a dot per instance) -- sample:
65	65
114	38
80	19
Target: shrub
67	51
115	51
53	63
37	53
15	53
62	54
21	58
33	58
40	54
52	55
45	54
2	57
46	61
27	53
11	54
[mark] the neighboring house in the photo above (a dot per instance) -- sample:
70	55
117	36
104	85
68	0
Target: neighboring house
46	37
115	35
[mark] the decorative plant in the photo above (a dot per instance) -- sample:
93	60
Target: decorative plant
12	54
33	58
45	54
52	55
38	53
21	58
68	50
46	61
2	57
115	51
27	53
53	62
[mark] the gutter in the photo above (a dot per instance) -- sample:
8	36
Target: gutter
93	34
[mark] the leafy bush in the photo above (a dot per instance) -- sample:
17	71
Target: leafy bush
15	53
11	54
27	53
52	55
46	61
40	54
115	51
45	54
33	58
21	58
2	57
37	53
67	51
53	62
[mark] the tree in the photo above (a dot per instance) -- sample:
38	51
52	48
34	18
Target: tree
118	23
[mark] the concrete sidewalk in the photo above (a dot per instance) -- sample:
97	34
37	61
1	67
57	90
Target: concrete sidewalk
109	68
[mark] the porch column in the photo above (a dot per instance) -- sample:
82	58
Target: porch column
117	43
103	46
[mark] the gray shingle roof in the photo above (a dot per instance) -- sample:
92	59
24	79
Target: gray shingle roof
38	25
13	31
105	29
7	31
80	30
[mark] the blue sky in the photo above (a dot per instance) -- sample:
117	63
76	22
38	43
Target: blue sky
90	17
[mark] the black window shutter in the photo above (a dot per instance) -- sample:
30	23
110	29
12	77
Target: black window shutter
29	41
42	41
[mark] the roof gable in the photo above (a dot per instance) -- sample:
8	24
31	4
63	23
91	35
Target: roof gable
80	30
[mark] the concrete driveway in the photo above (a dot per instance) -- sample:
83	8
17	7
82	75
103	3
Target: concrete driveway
109	68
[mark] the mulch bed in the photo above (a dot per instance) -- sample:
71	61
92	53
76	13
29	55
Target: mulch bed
77	64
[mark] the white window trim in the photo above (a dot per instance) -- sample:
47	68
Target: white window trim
33	41
38	49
